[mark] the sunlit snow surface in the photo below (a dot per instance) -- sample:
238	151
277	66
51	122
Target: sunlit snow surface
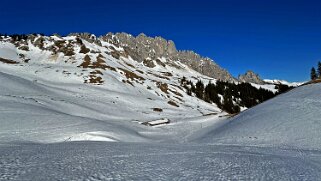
277	140
55	127
288	120
129	161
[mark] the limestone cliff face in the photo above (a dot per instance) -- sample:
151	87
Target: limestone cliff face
251	77
142	47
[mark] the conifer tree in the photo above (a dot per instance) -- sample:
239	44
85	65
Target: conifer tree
313	74
319	70
192	87
199	92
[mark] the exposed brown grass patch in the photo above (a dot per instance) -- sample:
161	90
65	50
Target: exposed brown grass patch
159	76
131	75
84	49
68	52
65	48
60	43
7	61
168	74
115	54
112	48
157	109
40	43
313	82
99	63
94	78
132	66
128	82
141	72
163	87
24	48
172	103
96	72
149	63
159	62
86	63
79	41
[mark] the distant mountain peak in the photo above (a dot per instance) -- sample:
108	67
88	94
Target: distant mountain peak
251	77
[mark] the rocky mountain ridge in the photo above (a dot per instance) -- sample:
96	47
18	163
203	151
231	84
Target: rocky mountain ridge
141	48
251	77
103	63
144	48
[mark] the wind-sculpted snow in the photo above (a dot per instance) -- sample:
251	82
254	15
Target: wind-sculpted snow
125	161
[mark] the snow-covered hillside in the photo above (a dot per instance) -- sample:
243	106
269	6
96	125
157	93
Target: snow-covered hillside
71	109
284	82
47	111
71	88
94	96
291	120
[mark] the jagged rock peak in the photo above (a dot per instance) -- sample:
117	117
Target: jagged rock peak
251	77
143	47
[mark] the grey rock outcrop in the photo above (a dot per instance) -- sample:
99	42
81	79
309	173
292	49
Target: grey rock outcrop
142	47
251	77
150	51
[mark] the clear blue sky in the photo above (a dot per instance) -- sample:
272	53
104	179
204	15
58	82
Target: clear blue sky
275	38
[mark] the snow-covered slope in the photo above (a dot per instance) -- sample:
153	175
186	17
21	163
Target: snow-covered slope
291	120
128	161
78	88
50	98
284	82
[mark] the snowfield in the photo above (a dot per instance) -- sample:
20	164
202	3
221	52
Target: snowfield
141	161
59	122
284	82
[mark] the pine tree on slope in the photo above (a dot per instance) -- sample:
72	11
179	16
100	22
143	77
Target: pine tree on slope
319	69
313	74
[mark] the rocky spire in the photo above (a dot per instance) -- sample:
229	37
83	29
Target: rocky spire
251	77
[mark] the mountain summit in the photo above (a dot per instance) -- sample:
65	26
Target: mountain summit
251	77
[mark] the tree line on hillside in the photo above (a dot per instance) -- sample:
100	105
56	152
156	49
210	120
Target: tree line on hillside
316	74
229	96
